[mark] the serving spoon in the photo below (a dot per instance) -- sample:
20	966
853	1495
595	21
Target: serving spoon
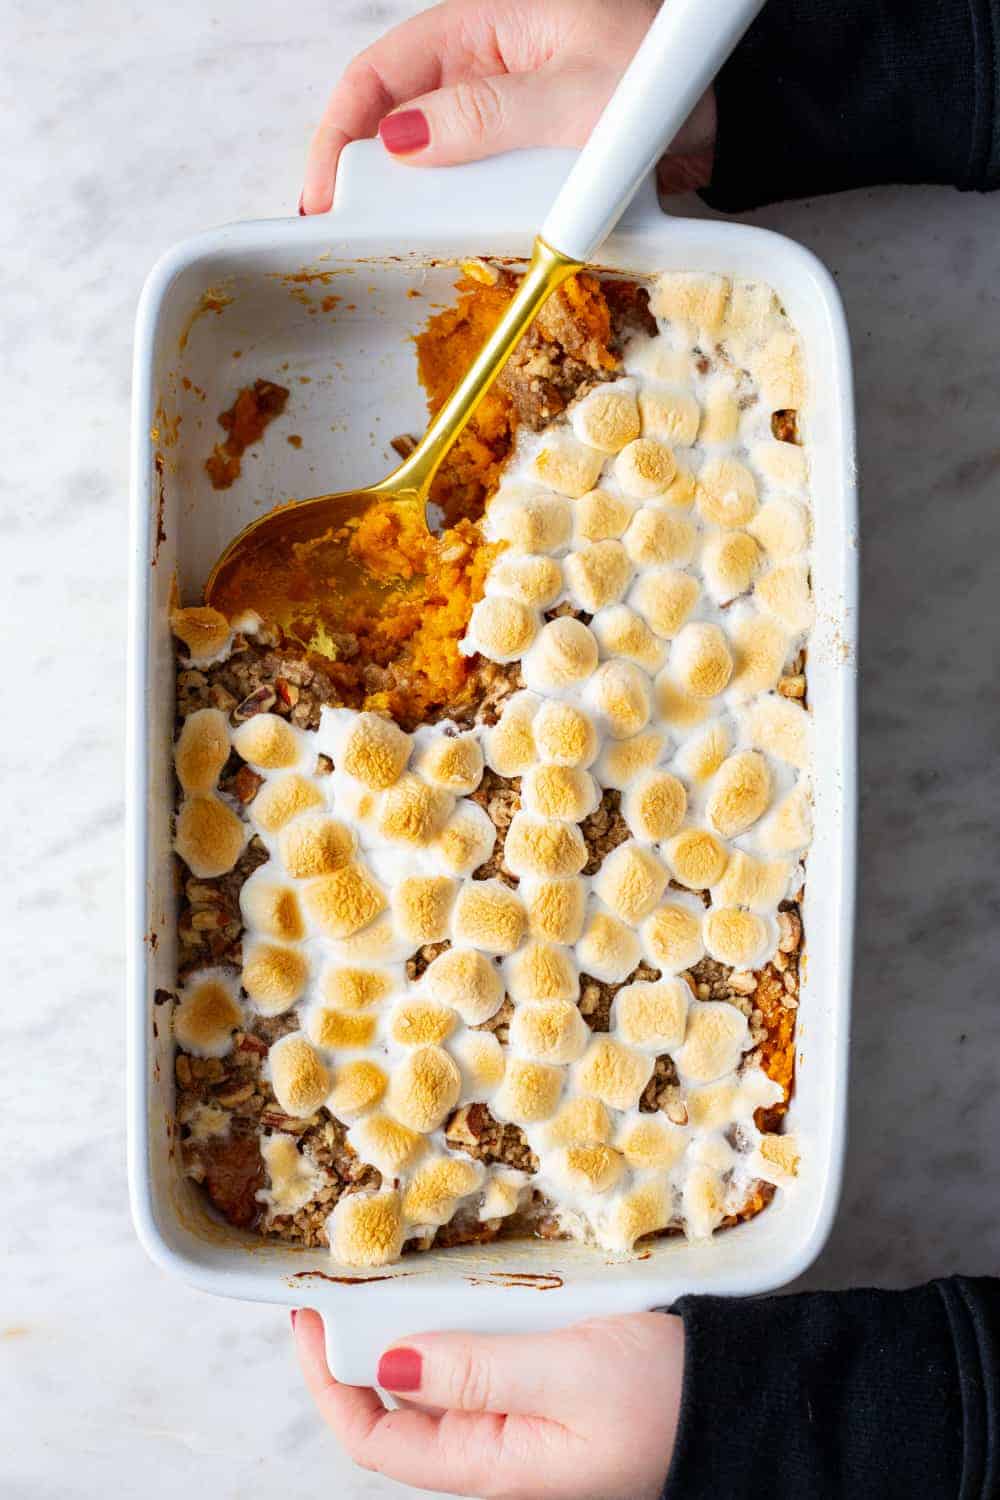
293	566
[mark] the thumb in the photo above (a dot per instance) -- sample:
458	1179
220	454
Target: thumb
480	117
532	1374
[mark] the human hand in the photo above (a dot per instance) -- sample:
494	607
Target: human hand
589	1411
470	78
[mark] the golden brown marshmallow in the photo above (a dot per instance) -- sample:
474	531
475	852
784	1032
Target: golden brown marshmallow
267	742
316	845
563	654
564	735
599	516
436	1188
343	903
357	1087
541	971
529	1092
650	1143
453	762
697	858
274	976
424	1088
783	591
210	837
608	949
652	1014
645	468
665	598
672	416
272	908
413	812
375	751
671	938
488	916
630	881
550	1031
656	536
555	909
366	1229
621	632
299	1077
467	981
543	847
597	574
736	937
422	905
340	1030
620	695
727	493
654	806
283	798
728	562
740	794
613	1073
586	1169
567	466
206	1017
202	750
510	744
607	418
502	628
700	659
563	792
716	1038
204	631
421	1023
532	581
385	1144
529	520
691	297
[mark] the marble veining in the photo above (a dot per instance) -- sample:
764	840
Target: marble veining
132	127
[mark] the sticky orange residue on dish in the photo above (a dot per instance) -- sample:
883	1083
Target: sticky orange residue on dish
212	300
244	424
294	440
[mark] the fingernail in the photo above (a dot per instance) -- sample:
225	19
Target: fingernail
404	132
302	212
399	1370
293	1314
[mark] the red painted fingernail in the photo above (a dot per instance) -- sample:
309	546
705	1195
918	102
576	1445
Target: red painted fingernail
404	132
293	1314
399	1370
302	212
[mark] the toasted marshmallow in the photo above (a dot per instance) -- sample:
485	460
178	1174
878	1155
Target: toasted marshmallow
653	1014
583	1121
714	1106
273	909
702	754
564	654
374	751
781	527
466	840
623	760
357	1087
703	1198
597	575
543	847
502	1195
424	1087
413	812
274	976
566	465
316	845
657	536
347	987
467	981
728	564
733	936
586	1169
651	1143
760	647
641	1211
283	798
343	903
541	971
510	744
340	1030
530	520
378	943
717	1036
751	311
677	708
721	418
781	726
555	908
366	1229
776	1159
453	762
292	1178
727	493
481	1060
268	743
608	417
207	1015
608	949
665	598
680	492
620	696
671	937
778	368
654	806
789	827
550	1031
384	1143
785	593
532	581
697	858
600	517
655	358
613	1073
299	1078
204	631
421	1023
700	659
621	632
757	884
488	915
672	416
645	468
202	750
436	1188
501	628
782	463
210	837
564	735
563	792
691	297
740	794
421	905
630	881
529	1092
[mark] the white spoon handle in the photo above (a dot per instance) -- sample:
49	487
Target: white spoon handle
682	52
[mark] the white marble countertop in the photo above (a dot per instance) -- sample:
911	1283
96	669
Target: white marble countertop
134	126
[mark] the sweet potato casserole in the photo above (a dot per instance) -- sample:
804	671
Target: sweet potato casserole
489	918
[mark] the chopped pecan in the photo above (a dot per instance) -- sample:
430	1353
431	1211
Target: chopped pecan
789	931
260	701
288	692
232	1094
246	784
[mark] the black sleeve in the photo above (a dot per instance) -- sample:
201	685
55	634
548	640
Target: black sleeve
823	95
868	1395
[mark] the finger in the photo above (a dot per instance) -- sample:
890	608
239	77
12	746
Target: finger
460	1452
478	117
444	42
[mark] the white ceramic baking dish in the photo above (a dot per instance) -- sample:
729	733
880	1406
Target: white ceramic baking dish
394	233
